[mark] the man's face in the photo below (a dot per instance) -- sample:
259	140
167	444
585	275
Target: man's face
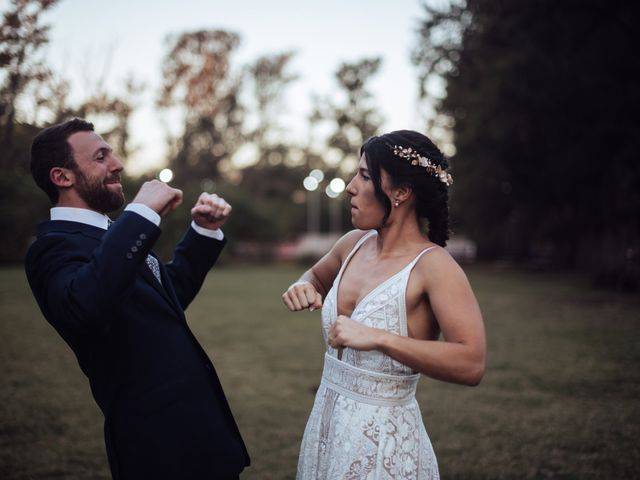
97	174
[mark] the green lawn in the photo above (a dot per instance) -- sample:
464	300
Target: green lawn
560	398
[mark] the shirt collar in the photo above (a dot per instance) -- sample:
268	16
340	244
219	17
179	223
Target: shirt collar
80	215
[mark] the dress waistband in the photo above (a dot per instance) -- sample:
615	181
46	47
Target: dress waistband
366	386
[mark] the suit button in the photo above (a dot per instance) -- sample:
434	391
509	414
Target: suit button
139	243
134	249
129	255
142	236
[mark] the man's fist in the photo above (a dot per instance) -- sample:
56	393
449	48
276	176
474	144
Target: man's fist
159	197
210	211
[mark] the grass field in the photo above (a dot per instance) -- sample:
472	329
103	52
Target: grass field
560	398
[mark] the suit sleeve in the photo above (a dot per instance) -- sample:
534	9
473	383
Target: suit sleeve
78	287
193	258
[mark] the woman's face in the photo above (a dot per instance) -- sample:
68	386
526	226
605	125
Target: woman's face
366	211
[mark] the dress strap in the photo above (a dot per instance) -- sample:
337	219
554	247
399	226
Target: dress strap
355	248
336	281
404	331
415	260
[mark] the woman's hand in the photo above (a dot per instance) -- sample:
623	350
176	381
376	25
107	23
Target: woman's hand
346	332
302	295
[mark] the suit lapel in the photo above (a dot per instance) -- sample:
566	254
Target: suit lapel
166	281
163	288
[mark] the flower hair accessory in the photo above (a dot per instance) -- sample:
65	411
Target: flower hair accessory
416	159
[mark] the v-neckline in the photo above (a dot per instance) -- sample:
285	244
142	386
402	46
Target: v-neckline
374	289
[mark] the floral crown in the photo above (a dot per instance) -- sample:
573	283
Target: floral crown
428	164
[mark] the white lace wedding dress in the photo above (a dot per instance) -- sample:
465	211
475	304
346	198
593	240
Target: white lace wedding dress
365	423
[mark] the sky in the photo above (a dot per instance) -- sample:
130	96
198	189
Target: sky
126	38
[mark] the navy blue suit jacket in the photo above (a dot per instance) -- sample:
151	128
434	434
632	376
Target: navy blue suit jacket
166	415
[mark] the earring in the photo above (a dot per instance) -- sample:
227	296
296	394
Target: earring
397	203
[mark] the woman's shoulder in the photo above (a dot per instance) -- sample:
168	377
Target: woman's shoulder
436	261
348	241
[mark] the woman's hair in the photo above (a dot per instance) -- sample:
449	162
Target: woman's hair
412	160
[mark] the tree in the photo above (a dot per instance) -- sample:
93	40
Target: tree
198	83
268	78
356	119
544	100
117	109
350	118
22	35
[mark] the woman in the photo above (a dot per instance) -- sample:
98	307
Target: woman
389	290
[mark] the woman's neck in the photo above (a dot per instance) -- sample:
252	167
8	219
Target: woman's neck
400	237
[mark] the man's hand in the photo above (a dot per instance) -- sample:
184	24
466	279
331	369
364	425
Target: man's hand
210	211
159	197
302	295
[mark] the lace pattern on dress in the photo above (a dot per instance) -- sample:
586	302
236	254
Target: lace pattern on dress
368	387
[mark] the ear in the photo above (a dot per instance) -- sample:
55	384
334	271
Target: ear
61	177
401	194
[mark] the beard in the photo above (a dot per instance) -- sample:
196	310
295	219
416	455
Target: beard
96	195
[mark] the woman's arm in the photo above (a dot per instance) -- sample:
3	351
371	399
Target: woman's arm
309	290
460	358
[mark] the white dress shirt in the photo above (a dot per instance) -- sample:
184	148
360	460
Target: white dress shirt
100	220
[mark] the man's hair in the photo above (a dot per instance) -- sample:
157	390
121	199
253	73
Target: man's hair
50	149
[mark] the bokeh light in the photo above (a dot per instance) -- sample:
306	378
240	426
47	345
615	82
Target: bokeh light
317	174
165	175
310	183
337	185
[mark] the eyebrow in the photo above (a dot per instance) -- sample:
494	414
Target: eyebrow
105	148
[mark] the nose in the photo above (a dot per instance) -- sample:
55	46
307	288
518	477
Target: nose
116	164
351	189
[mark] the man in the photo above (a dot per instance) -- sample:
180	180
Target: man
122	312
